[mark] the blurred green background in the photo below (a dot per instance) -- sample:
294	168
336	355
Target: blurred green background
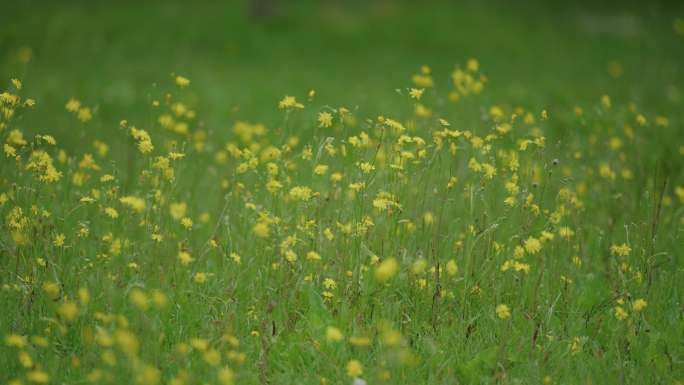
536	54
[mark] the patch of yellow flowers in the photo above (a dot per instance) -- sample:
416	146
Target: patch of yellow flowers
421	205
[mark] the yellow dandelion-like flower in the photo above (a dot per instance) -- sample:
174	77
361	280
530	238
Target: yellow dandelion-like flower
325	119
135	203
139	299
149	375
200	277
111	212
84	114
182	81
225	376
359	341
59	240
261	230
83	296
451	267
354	368
320	169
639	305
428	218
178	210
605	102
16	83
15	340
73	105
301	193
289	102
503	311
333	334
366	167
313	256
532	245
416	93
187	223
185	258
620	313
291	256
52	289
387	269
622	250
68	311
25	360
566	232
38	376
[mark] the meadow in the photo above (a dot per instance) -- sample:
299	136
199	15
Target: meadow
385	192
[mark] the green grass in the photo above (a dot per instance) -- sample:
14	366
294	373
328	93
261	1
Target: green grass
606	174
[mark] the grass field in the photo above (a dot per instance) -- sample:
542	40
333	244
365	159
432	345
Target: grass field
357	193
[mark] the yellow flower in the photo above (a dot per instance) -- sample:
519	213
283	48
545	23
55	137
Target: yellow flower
73	105
187	223
84	114
59	240
423	111
10	151
366	167
291	256
289	102
620	313
325	119
302	193
111	212
639	305
38	376
149	375
473	65
386	270
145	146
605	102
178	210
185	258
83	296
16	83
329	283
139	299
416	93
200	277
52	289
182	81
503	311
15	340
135	203
532	245
320	169
354	368
225	376
68	311
261	230
622	250
391	337
313	256
212	357
360	341
451	267
566	232
333	334
428	218
199	343
273	186
25	360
